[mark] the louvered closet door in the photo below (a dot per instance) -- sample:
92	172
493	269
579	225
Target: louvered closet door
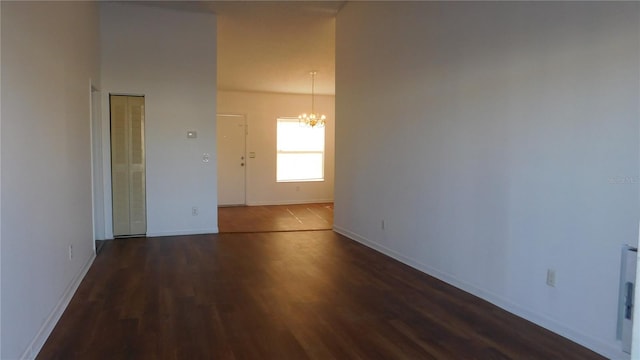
128	165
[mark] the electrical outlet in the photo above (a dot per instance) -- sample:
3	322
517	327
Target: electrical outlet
70	252
194	211
551	277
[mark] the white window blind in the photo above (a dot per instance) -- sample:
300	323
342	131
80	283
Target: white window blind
300	152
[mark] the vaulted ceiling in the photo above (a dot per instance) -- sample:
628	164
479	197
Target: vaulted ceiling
271	46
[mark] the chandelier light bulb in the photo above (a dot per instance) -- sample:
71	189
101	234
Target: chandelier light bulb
312	119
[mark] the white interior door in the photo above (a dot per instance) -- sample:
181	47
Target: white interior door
231	130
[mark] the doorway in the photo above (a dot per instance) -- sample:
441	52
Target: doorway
231	142
128	165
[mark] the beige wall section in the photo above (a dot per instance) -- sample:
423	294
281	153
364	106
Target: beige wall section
262	110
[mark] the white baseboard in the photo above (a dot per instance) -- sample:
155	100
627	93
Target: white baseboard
213	230
609	350
47	327
289	202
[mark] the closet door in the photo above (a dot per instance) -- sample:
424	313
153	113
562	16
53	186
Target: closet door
128	165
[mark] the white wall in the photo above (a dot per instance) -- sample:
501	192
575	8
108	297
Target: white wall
169	57
49	57
0	180
261	111
494	139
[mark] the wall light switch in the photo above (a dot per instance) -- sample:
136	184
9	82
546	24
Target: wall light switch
252	155
551	277
192	134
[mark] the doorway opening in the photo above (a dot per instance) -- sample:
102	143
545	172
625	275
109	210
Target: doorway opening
233	213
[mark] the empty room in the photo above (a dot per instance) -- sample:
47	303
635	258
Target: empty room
319	180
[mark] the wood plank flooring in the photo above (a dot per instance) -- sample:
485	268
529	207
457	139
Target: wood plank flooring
283	295
275	218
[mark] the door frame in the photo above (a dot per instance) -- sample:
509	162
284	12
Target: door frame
97	183
246	162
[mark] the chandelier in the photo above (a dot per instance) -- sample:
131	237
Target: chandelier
313	119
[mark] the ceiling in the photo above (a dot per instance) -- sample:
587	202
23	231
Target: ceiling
271	46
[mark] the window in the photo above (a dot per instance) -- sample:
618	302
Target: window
300	152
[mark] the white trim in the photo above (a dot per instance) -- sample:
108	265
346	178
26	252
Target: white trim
611	350
213	230
289	202
92	115
47	327
97	178
105	110
0	191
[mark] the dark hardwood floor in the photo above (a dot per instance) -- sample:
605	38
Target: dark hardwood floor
283	295
275	218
